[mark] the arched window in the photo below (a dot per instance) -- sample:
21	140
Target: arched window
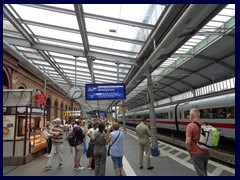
48	107
6	80
56	109
22	86
61	111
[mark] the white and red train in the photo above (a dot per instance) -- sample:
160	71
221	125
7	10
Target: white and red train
218	111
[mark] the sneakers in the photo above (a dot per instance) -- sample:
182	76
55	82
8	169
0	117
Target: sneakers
48	156
89	167
78	168
149	168
60	166
47	168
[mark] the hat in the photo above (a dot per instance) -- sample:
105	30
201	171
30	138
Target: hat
57	119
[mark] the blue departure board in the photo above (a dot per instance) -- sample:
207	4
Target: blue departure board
105	91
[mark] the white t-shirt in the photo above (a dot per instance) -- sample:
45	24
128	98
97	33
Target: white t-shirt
92	131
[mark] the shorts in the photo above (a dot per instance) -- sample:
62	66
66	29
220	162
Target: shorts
79	149
117	162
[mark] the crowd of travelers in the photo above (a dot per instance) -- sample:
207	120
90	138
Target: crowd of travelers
101	133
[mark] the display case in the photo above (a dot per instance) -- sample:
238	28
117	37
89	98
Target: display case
37	141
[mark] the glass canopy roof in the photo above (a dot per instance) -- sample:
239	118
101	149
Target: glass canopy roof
216	26
98	38
96	43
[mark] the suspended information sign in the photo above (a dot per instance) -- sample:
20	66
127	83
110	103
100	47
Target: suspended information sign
105	91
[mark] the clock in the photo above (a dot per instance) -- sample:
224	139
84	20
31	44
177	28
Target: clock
75	92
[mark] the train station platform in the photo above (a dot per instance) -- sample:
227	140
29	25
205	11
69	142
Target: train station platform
172	162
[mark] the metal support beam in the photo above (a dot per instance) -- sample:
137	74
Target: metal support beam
117	59
172	35
83	32
217	61
70	51
16	24
169	95
180	81
153	126
70	30
55	66
127	40
194	72
119	21
82	26
169	85
92	16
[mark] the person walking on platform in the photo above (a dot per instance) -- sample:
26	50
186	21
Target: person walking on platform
144	134
79	148
100	150
57	144
49	140
199	156
116	149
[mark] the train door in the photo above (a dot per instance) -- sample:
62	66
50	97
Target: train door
180	118
172	118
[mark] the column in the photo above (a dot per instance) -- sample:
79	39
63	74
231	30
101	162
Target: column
153	126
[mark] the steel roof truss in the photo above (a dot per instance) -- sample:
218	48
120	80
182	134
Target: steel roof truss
92	16
70	51
16	24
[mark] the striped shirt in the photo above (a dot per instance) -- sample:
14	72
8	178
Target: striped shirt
57	139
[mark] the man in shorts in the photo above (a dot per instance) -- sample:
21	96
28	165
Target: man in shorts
79	148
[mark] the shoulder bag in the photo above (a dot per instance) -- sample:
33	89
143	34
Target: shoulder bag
109	147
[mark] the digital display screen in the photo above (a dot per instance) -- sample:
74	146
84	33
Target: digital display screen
105	91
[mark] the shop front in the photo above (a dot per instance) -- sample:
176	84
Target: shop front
22	123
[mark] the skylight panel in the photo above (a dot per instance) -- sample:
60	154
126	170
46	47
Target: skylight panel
61	55
57	34
120	11
110	43
46	16
104	27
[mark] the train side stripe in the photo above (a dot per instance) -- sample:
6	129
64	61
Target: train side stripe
216	125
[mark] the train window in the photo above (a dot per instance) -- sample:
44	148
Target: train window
186	114
171	115
162	115
180	114
147	116
218	113
205	113
138	117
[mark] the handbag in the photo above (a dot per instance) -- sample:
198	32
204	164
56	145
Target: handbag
109	147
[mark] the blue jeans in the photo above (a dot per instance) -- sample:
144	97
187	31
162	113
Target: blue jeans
117	162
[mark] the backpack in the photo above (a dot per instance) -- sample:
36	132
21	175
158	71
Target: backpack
72	139
209	136
154	151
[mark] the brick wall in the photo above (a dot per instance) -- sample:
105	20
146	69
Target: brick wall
22	77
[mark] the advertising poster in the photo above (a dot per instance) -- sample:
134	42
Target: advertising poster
8	127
